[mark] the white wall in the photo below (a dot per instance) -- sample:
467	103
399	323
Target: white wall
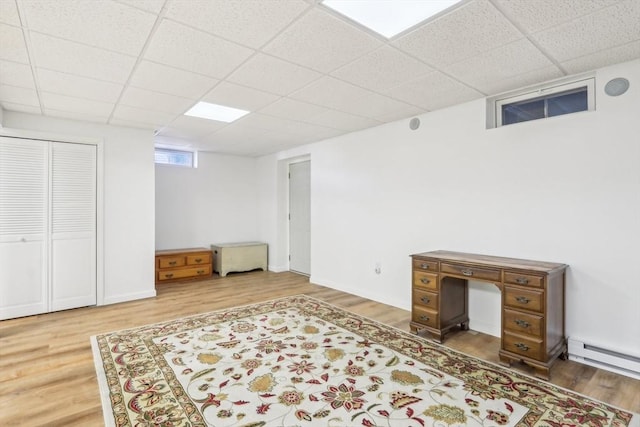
565	189
128	210
213	203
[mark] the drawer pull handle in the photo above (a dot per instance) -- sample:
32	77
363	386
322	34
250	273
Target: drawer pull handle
200	271
522	346
523	300
424	266
198	260
173	262
522	323
424	318
467	272
425	300
522	281
168	275
425	280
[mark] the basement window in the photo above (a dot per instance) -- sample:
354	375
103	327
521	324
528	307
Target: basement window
544	102
171	156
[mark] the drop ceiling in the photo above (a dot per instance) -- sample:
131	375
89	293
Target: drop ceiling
305	73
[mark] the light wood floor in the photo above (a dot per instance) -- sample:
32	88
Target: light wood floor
47	373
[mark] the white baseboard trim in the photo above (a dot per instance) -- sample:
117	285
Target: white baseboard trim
391	299
277	268
128	297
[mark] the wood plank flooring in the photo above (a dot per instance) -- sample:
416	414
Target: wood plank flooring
47	374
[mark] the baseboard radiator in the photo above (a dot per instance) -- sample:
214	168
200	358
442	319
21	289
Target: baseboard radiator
599	357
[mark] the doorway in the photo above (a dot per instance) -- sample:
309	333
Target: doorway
300	217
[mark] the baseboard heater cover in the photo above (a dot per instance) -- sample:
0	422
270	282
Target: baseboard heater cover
604	358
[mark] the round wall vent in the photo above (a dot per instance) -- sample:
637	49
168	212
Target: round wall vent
616	87
414	123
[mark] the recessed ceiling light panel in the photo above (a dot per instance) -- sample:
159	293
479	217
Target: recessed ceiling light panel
220	113
389	17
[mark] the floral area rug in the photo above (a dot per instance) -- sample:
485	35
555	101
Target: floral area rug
297	361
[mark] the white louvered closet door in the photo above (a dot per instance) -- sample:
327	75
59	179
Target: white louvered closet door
73	225
23	227
47	226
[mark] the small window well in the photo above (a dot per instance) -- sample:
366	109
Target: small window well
170	156
544	102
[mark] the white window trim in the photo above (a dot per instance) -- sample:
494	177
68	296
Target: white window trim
494	107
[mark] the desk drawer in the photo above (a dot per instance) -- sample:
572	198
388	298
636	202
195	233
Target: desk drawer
181	273
523	299
471	272
420	264
523	279
198	259
171	262
522	323
529	347
425	316
425	280
425	299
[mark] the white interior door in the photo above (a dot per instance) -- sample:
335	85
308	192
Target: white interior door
23	227
73	225
300	217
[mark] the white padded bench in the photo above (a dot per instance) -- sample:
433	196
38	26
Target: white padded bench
236	257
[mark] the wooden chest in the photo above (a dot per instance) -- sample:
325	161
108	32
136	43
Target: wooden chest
183	264
238	257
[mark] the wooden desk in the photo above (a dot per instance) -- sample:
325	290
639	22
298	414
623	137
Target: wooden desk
532	302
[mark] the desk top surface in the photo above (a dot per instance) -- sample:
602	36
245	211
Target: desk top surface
493	261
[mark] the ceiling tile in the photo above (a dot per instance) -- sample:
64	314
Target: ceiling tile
343	121
291	109
20	108
193	50
383	68
75	115
236	96
141	116
190	127
15	74
251	23
624	53
487	72
533	16
77	86
18	95
330	92
475	27
9	12
12	42
434	91
132	124
523	80
155	101
153	6
401	114
108	25
611	27
322	42
162	78
374	105
55	101
273	75
75	58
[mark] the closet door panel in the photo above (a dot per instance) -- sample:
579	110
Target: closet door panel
73	225
23	227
